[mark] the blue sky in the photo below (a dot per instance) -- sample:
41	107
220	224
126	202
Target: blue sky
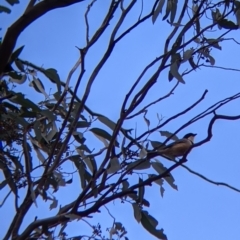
198	210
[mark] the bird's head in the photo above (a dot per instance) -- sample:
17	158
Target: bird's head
190	136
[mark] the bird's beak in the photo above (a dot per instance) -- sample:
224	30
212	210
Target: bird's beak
195	134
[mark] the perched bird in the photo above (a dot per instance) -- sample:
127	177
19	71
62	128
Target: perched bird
179	147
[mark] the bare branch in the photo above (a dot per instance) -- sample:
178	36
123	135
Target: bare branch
154	102
223	68
25	20
86	20
209	180
4	200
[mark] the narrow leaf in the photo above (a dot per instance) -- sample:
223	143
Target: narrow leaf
52	74
19	65
15	54
33	195
168	9
114	166
19	81
125	185
146	120
158	10
161	169
83	124
12	2
214	43
169	135
4	9
159	181
109	123
187	54
137	212
141	191
173	11
53	204
162	190
143	153
15	75
39	87
148	224
102	133
174	71
156	144
139	165
227	24
90	163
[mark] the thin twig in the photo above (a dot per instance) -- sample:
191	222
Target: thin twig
86	19
223	68
4	200
209	180
154	102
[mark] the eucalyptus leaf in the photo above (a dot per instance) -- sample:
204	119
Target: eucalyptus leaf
102	134
174	71
168	9
9	177
156	144
187	54
192	63
158	10
4	9
143	153
139	165
25	102
173	11
48	114
109	123
125	185
161	169
114	166
19	81
159	181
91	163
15	76
39	155
81	169
15	54
137	212
227	24
145	119
78	136
169	135
52	74
12	2
141	191
214	43
33	195
39	87
84	148
53	204
162	190
150	225
83	124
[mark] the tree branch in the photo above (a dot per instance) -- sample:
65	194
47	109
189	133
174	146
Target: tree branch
209	180
25	20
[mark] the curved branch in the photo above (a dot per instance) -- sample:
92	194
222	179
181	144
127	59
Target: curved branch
24	21
209	180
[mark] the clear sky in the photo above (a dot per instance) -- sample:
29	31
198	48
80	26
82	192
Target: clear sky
198	210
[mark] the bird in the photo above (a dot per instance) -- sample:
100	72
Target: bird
179	147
